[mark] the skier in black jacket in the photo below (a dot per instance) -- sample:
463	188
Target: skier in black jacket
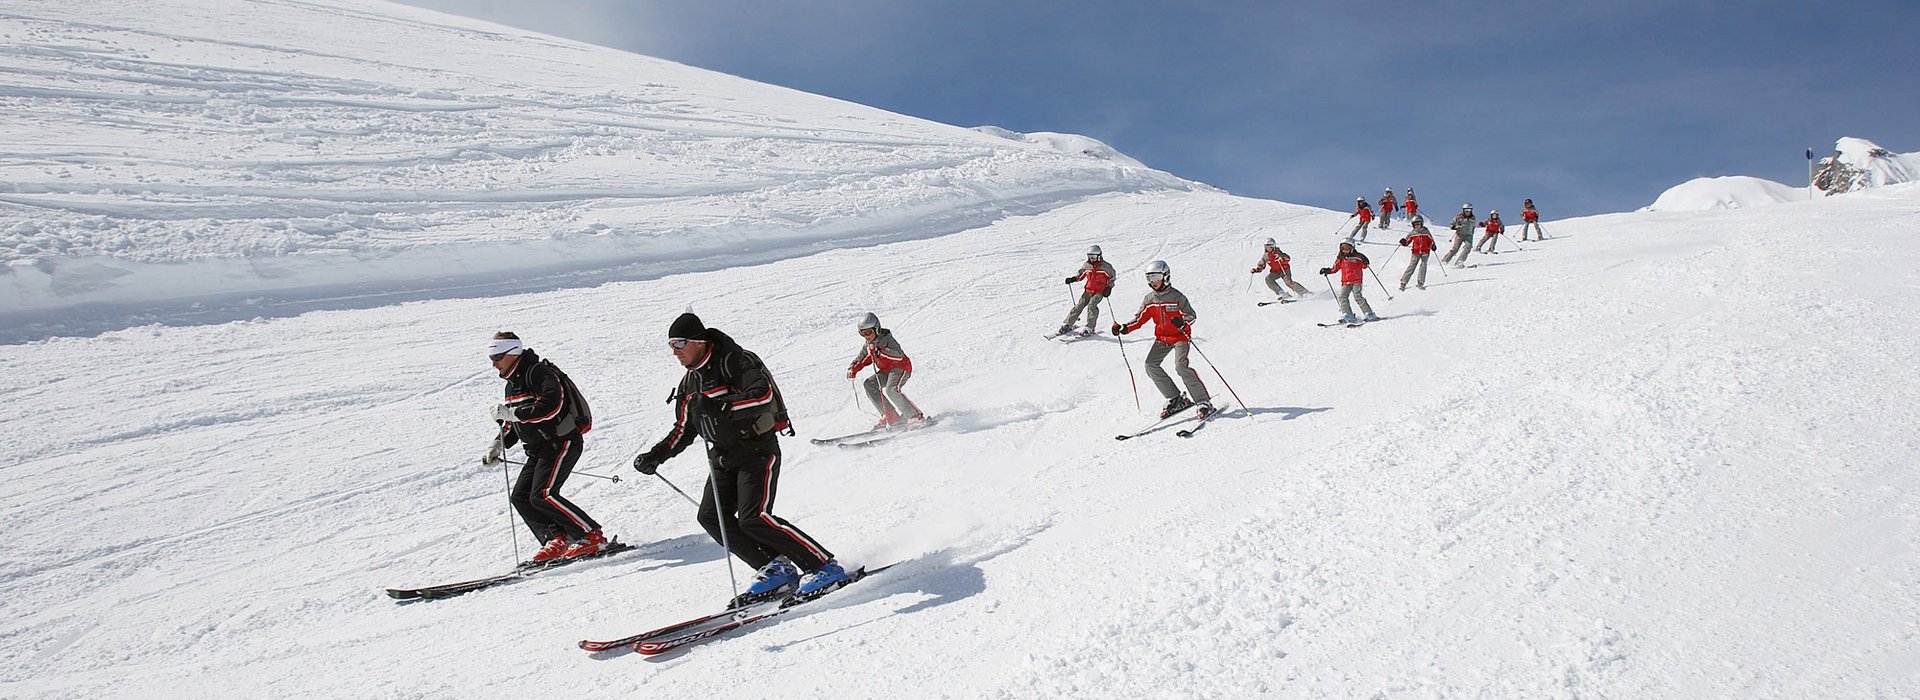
545	413
729	398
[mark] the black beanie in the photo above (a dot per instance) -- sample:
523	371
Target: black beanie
686	326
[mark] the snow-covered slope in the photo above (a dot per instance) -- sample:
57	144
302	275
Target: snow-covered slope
1728	192
1857	164
258	154
1661	455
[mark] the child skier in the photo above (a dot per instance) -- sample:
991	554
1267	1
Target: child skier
1494	229
1172	320
1352	265
1279	266
1387	205
1530	219
1366	217
1099	277
891	368
545	414
1412	207
1421	244
1463	226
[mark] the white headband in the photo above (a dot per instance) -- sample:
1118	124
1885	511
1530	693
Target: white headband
510	346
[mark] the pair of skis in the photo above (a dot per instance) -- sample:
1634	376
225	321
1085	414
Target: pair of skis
679	635
1178	418
524	570
1069	336
876	435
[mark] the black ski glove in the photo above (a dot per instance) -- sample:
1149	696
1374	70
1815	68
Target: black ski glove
1071	279
1326	271
646	463
1179	322
1403	241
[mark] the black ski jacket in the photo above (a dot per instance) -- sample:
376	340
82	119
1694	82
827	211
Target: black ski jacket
549	406
730	399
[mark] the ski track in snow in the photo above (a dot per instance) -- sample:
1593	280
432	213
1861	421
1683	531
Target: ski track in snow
1664	454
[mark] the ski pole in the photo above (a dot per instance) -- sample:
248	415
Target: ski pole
676	489
720	523
1123	358
1250	280
1343	226
513	531
1383	284
1216	372
615	478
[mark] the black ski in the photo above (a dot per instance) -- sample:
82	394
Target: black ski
1204	420
887	435
696	630
524	570
1278	301
1177	418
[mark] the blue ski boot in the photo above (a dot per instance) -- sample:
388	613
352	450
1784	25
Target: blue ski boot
1349	318
774	580
1371	317
821	581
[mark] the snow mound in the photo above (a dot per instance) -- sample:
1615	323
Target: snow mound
1074	144
196	154
1728	192
1858	164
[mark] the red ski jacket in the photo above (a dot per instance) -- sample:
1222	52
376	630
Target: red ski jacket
1421	242
1530	216
1388	204
884	353
1493	227
1274	261
1350	269
1162	308
1413	207
1099	277
1365	213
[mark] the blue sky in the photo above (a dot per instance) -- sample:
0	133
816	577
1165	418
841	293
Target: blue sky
1585	107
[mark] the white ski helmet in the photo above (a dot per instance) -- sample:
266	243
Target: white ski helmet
1094	252
1388	191
1272	244
1467	207
1159	267
869	321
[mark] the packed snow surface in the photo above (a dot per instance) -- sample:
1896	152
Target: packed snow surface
1728	192
250	155
1662	454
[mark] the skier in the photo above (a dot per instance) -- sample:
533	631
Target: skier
1463	226
891	368
1412	207
1421	244
1172	320
1494	229
1279	266
1387	205
1366	216
546	414
1099	276
1352	265
729	398
1530	219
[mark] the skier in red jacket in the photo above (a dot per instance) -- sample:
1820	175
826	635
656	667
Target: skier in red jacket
1279	266
1387	205
1530	219
1412	207
1421	244
1172	319
891	368
1365	212
1494	229
1099	277
1352	265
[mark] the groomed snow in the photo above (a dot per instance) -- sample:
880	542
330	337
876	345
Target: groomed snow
244	157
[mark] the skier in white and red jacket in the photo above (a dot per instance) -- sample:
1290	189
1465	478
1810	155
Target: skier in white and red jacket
1172	319
1099	276
891	368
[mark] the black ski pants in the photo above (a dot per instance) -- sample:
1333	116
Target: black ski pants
536	494
739	497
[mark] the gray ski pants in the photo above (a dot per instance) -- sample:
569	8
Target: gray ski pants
1462	245
1195	390
1535	226
1360	231
893	402
1418	261
1090	302
1488	243
1356	291
1284	277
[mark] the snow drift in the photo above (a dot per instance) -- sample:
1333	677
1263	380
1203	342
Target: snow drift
1728	192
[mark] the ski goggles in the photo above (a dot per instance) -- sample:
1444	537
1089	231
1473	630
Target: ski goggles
679	343
1156	277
